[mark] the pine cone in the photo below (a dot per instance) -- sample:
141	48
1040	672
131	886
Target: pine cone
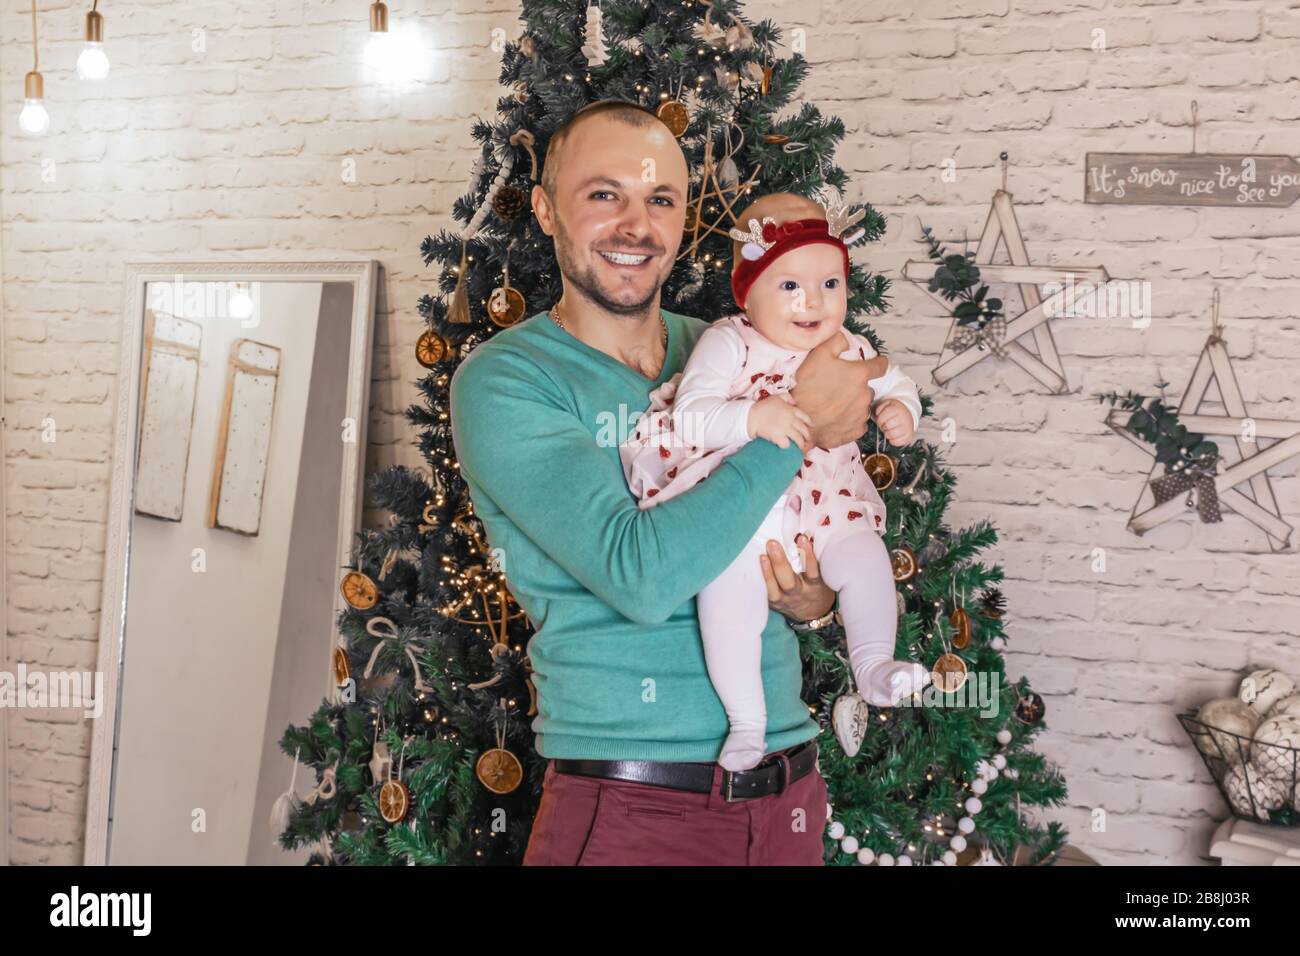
509	202
992	603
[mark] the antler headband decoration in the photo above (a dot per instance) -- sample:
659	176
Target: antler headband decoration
754	243
758	239
762	237
838	218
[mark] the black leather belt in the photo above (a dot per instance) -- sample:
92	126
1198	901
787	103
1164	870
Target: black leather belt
773	775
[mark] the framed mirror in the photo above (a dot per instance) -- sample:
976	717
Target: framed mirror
237	483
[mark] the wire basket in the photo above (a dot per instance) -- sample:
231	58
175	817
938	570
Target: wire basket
1257	781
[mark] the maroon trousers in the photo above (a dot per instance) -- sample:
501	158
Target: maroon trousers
594	821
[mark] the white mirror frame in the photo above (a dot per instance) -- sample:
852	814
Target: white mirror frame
363	274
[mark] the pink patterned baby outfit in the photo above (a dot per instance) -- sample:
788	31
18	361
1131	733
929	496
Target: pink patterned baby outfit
700	416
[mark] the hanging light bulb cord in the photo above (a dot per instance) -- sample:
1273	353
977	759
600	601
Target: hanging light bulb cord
36	50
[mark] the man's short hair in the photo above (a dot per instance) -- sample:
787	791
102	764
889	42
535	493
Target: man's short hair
624	111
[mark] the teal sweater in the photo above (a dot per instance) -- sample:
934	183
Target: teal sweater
537	417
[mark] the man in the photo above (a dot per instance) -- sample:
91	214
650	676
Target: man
628	718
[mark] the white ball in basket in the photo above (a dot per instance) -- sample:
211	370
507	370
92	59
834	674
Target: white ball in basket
1287	706
1225	717
1264	688
1243	783
1276	749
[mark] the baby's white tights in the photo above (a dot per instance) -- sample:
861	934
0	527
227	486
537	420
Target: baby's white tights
733	611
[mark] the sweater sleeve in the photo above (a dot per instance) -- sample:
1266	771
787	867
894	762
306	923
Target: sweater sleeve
522	445
702	412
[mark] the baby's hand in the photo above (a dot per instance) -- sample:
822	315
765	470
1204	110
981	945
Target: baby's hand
895	421
779	421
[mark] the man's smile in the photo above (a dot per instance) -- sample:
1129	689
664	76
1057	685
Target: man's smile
625	260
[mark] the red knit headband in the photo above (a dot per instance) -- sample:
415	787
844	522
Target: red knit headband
766	242
772	242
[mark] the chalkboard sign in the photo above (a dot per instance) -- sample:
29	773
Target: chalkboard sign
1191	179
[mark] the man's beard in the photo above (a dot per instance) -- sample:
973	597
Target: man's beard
587	284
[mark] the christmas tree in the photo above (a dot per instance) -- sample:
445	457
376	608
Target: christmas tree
426	755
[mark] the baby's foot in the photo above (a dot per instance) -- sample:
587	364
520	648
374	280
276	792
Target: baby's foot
743	750
885	683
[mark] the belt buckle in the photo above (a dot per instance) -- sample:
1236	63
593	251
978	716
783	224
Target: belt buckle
782	761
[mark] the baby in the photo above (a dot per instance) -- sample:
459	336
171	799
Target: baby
790	276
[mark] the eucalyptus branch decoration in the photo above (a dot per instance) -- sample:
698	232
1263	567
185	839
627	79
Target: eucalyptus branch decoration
979	316
1190	461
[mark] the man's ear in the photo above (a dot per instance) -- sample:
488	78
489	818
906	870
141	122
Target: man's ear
543	210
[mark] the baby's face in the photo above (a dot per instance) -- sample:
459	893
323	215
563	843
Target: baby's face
800	300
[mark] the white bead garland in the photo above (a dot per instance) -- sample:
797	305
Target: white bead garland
985	771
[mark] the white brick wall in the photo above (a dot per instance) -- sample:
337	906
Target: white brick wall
239	149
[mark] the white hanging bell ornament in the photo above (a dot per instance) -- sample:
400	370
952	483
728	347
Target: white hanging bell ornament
728	175
381	762
849	717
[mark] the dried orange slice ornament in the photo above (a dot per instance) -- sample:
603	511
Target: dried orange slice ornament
960	620
431	348
394	801
903	561
948	673
342	670
674	115
881	469
499	770
359	591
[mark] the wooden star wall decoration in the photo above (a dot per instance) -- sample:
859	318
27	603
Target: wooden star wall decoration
1259	506
1001	226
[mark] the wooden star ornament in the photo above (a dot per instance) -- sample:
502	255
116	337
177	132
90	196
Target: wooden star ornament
1244	487
1001	227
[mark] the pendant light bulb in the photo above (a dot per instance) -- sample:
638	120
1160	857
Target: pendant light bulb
93	62
379	46
34	118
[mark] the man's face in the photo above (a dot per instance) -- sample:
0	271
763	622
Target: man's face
618	212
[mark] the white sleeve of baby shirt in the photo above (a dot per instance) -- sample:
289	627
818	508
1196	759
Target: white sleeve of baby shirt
895	383
702	413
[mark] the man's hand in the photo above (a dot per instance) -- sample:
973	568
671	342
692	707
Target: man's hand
835	394
895	421
800	597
